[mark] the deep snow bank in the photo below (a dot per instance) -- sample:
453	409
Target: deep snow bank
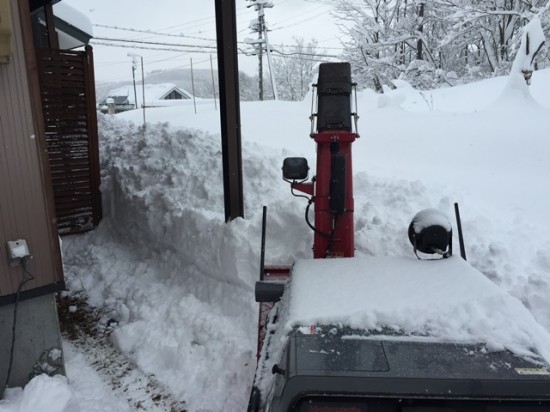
164	261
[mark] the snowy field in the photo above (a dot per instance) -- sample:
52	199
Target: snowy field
179	281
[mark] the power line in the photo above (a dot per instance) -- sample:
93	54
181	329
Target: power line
191	23
298	22
195	23
304	54
281	45
153	32
146	45
302	14
110	43
154	43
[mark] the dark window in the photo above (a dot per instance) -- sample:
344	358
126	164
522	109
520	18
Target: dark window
173	95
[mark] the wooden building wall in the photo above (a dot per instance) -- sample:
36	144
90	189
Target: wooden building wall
26	196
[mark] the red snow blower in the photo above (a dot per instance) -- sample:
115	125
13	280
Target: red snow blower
325	367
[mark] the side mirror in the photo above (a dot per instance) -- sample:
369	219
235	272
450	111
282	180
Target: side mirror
269	291
295	168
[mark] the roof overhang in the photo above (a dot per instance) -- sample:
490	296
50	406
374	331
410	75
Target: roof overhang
73	28
36	4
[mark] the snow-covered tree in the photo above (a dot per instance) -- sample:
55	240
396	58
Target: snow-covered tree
532	40
387	37
294	70
487	30
248	86
428	42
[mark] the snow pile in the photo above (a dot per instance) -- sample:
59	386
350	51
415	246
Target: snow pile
177	278
42	393
162	255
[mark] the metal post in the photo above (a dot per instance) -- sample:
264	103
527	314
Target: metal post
460	235
193	87
262	248
271	74
143	88
260	57
230	116
134	67
134	79
213	84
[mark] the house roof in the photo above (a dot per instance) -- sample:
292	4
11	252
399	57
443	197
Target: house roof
116	100
153	92
183	93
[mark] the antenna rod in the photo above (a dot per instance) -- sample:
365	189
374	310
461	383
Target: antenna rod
460	236
262	251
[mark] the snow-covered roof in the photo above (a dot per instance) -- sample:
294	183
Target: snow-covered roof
153	92
116	100
74	29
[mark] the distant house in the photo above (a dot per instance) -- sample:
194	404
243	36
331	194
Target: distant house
164	94
121	104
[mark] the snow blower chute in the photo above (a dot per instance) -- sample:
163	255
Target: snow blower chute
317	351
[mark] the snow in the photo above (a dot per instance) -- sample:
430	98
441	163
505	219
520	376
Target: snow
179	281
74	17
445	299
43	393
430	217
532	39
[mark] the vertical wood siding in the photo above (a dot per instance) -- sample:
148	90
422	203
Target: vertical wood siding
26	211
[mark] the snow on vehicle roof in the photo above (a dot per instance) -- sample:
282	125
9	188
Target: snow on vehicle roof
446	299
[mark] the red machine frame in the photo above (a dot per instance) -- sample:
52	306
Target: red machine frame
334	234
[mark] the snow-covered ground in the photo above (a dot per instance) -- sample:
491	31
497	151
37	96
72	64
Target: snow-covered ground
179	281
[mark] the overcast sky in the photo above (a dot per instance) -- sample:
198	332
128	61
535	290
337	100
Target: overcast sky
309	19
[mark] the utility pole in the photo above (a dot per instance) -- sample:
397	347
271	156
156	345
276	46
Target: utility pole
135	57
258	26
134	64
268	49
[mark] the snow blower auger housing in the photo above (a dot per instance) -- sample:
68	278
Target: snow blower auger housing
315	355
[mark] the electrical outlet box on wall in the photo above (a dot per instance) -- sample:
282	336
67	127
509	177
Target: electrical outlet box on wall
17	251
5	32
